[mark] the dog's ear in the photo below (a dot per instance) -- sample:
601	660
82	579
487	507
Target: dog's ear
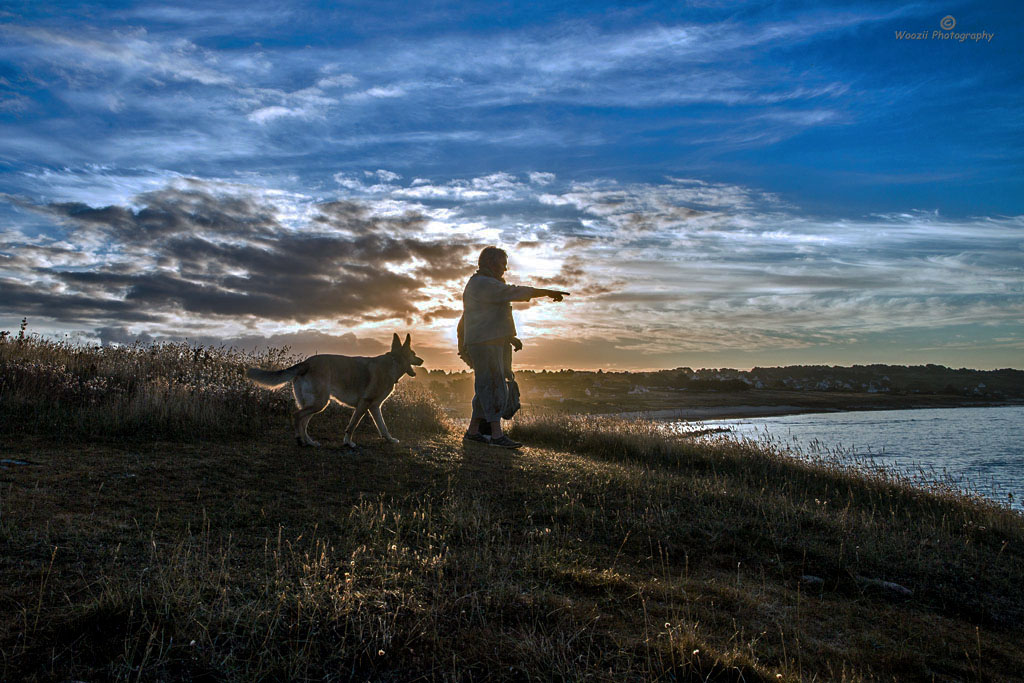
406	344
396	343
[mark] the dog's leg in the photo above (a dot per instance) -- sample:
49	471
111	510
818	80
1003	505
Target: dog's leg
309	401
357	417
378	420
301	418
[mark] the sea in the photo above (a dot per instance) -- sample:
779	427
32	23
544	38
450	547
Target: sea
979	450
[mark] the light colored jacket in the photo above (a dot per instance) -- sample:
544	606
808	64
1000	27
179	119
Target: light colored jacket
487	308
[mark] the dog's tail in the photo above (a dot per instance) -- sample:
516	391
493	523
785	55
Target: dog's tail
278	378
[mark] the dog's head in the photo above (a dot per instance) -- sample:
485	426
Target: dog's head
404	354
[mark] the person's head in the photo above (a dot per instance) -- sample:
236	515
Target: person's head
494	260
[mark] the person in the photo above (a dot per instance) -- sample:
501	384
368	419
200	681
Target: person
487	337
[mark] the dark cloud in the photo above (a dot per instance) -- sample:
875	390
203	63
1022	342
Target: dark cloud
441	312
173	211
304	343
37	300
198	250
597	289
309	343
459	268
122	335
358	219
574	276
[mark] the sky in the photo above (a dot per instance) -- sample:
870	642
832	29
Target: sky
719	184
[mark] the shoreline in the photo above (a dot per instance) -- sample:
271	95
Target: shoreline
700	414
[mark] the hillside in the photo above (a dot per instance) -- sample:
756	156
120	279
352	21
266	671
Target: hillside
187	538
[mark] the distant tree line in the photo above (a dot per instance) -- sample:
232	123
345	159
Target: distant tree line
877	378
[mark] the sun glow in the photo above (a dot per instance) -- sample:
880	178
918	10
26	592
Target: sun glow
527	263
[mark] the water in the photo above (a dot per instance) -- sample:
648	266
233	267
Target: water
978	449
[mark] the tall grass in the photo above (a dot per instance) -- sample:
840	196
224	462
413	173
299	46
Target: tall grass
445	585
168	391
619	555
874	520
608	550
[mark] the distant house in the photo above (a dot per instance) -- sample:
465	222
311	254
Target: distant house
638	389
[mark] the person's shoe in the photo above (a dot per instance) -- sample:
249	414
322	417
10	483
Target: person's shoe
480	438
505	442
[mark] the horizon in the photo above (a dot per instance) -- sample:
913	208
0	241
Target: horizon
719	187
464	369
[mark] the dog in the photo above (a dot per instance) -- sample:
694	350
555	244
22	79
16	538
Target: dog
359	382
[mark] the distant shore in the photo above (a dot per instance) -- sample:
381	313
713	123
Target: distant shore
718	413
729	412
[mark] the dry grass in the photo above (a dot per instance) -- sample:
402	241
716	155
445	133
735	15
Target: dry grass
605	551
162	391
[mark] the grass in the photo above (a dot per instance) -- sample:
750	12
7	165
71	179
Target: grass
197	543
168	391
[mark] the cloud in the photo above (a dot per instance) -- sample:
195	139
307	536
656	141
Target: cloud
119	334
656	270
306	342
621	66
82	55
384	175
44	299
305	103
275	112
196	250
337	81
175	210
177	100
376	93
442	313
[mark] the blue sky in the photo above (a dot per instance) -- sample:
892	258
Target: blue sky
718	183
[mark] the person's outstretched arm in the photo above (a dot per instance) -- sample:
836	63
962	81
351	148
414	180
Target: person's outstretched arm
493	291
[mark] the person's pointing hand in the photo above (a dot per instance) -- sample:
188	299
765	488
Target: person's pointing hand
555	294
